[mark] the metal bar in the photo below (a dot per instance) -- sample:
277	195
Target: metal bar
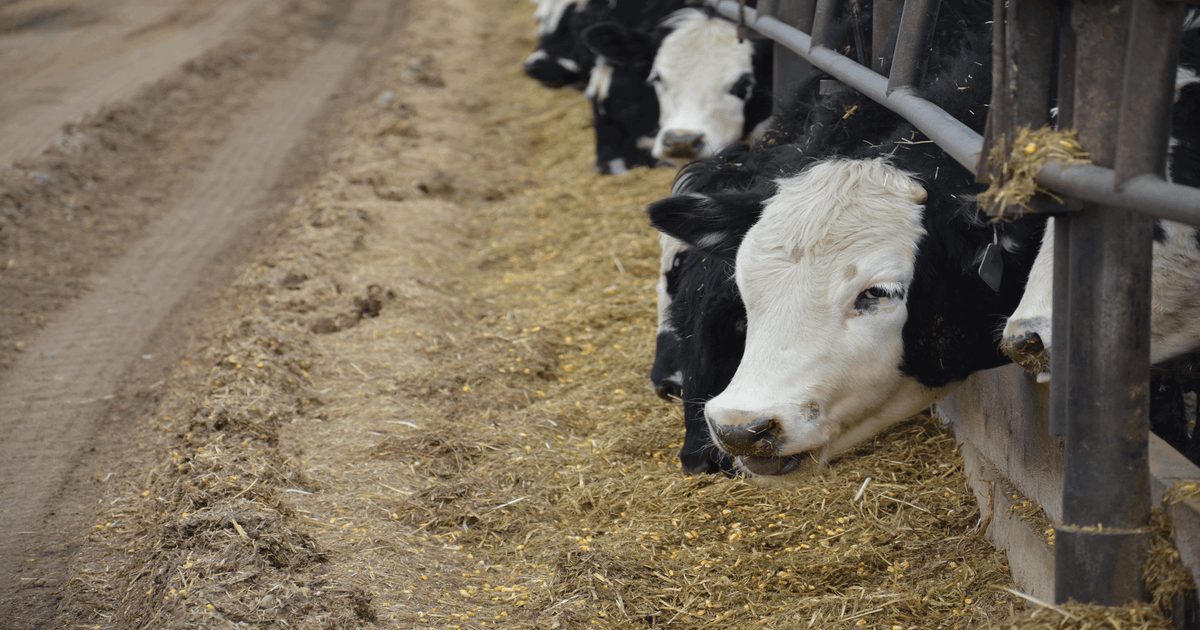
1022	91
1148	92
1033	25
1144	194
823	23
789	67
1060	323
993	131
1103	539
911	44
885	21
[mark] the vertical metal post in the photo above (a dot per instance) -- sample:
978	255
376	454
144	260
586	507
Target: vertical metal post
911	44
885	22
1060	350
823	23
993	131
1148	90
1022	85
789	67
1102	542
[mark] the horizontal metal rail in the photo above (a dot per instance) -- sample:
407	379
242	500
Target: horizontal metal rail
1145	194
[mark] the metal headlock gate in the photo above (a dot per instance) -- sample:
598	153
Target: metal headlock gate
1115	66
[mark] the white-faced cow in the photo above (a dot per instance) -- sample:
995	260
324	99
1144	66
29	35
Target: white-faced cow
713	88
1175	282
620	34
858	278
689	87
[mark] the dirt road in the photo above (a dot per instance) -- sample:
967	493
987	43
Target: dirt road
120	322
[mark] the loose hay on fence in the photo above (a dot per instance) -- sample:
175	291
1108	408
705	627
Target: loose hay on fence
1019	163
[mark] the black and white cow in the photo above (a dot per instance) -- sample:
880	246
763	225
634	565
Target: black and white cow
1175	280
561	59
701	320
620	35
713	89
857	271
682	90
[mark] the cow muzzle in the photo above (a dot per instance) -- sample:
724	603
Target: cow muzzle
682	144
755	438
1028	351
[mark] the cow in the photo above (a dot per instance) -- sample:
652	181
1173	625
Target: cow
624	107
1175	282
560	60
856	263
713	87
687	27
684	88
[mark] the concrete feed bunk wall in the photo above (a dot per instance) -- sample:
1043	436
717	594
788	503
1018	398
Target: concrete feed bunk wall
1000	418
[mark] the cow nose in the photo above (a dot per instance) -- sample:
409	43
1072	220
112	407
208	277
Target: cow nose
682	144
1028	351
756	436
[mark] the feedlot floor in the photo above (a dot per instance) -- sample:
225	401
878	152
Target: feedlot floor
418	397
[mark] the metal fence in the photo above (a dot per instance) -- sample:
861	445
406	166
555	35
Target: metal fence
1114	68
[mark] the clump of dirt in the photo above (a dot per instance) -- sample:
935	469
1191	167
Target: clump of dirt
485	450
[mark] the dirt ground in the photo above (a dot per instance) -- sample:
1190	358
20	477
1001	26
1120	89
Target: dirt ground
412	393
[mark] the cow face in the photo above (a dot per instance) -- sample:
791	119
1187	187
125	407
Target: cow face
861	304
703	78
559	60
825	275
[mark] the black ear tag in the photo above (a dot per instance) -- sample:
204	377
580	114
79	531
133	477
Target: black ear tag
991	266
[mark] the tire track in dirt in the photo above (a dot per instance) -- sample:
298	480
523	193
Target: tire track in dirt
33	116
55	392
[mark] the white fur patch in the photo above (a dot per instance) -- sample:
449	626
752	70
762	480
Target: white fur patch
1192	20
670	247
569	64
830	233
1183	78
549	13
696	65
616	166
599	81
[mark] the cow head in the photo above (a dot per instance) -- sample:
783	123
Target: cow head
1028	333
860	307
560	60
624	108
708	86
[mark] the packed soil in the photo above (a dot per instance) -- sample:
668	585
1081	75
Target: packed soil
421	401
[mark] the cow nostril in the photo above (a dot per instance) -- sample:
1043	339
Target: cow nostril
682	144
1028	351
761	427
756	438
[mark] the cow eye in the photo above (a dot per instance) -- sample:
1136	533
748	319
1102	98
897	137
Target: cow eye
654	77
743	87
869	299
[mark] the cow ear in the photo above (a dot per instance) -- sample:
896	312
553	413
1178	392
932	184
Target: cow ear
618	43
714	223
